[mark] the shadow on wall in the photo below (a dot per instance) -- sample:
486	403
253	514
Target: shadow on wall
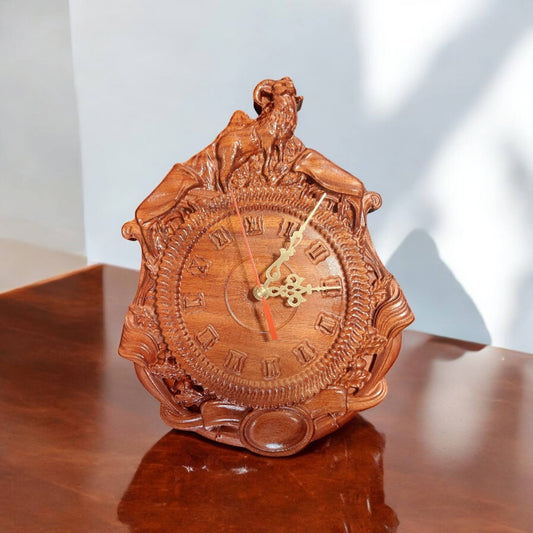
433	292
459	74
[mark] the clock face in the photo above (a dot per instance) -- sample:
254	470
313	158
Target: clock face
215	326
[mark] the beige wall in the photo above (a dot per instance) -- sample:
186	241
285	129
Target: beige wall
41	207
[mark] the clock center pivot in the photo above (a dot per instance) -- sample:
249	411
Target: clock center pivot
260	292
243	303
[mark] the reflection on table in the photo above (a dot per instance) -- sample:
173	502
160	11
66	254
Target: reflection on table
337	485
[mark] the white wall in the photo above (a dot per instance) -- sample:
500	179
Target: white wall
40	167
428	102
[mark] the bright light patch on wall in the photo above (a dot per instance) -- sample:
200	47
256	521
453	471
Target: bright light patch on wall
399	41
480	199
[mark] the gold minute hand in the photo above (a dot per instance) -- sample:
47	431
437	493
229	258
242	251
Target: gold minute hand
273	272
293	290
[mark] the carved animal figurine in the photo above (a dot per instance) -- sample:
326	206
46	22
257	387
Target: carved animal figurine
263	316
277	105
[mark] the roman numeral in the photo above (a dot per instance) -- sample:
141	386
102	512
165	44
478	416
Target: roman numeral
208	337
333	281
194	302
234	361
317	251
270	367
253	224
287	228
221	237
304	352
327	324
199	266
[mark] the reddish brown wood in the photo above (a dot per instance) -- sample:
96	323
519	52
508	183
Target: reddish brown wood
276	369
80	450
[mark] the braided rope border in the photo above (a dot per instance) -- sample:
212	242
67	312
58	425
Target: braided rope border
323	370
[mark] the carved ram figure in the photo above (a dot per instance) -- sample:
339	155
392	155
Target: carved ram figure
277	104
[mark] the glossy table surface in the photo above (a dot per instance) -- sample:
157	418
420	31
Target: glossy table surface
83	449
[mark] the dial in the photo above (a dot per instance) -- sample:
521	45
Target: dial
207	283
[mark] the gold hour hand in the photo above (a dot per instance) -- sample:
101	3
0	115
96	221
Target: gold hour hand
273	272
293	291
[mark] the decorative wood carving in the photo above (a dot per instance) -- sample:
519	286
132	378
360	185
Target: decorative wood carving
263	316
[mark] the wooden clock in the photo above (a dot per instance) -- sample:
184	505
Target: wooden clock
263	316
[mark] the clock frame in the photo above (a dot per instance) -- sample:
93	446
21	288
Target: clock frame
196	330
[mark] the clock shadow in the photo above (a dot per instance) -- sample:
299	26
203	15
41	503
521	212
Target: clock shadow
335	484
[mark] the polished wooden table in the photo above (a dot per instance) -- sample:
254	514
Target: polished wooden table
82	447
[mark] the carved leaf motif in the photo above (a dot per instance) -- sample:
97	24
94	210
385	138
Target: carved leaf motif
374	342
140	344
380	290
145	317
393	315
356	377
185	392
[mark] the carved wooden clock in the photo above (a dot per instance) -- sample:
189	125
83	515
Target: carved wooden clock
263	316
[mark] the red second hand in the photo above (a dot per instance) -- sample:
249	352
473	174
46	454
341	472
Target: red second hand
266	308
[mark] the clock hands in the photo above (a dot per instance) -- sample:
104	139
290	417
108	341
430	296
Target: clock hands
292	289
273	272
266	308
